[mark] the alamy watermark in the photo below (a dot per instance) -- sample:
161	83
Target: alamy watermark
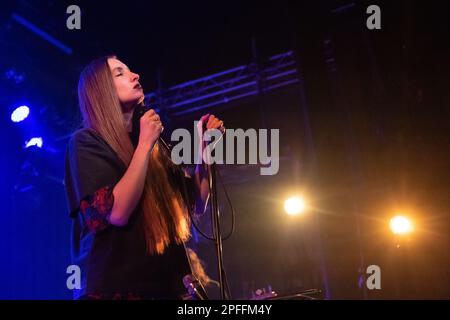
374	280
374	20
74	20
260	149
74	279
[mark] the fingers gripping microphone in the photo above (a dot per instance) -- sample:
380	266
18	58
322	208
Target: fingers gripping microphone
140	110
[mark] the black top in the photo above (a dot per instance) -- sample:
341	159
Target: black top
113	260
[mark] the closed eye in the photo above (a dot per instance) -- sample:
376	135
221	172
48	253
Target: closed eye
119	71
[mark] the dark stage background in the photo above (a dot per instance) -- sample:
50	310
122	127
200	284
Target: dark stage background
363	135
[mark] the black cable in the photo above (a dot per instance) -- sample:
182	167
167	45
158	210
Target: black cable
233	221
227	286
186	197
198	228
223	275
233	214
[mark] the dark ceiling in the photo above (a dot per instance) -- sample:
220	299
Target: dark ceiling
372	128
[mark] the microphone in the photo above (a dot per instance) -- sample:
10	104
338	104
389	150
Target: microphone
194	287
163	143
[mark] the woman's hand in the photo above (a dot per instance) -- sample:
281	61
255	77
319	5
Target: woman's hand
151	128
212	122
209	121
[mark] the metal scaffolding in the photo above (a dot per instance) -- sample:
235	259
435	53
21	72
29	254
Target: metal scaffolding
224	87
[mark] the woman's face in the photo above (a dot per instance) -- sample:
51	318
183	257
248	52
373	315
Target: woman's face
127	84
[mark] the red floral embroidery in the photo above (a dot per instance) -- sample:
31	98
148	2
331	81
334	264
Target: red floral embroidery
96	209
102	200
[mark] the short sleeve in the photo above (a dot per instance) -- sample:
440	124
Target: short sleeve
91	171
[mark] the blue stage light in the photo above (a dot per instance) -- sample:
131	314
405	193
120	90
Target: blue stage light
20	114
37	141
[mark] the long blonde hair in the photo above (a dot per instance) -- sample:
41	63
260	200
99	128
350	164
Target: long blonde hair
165	214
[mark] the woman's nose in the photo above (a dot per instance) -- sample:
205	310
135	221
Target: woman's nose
134	76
